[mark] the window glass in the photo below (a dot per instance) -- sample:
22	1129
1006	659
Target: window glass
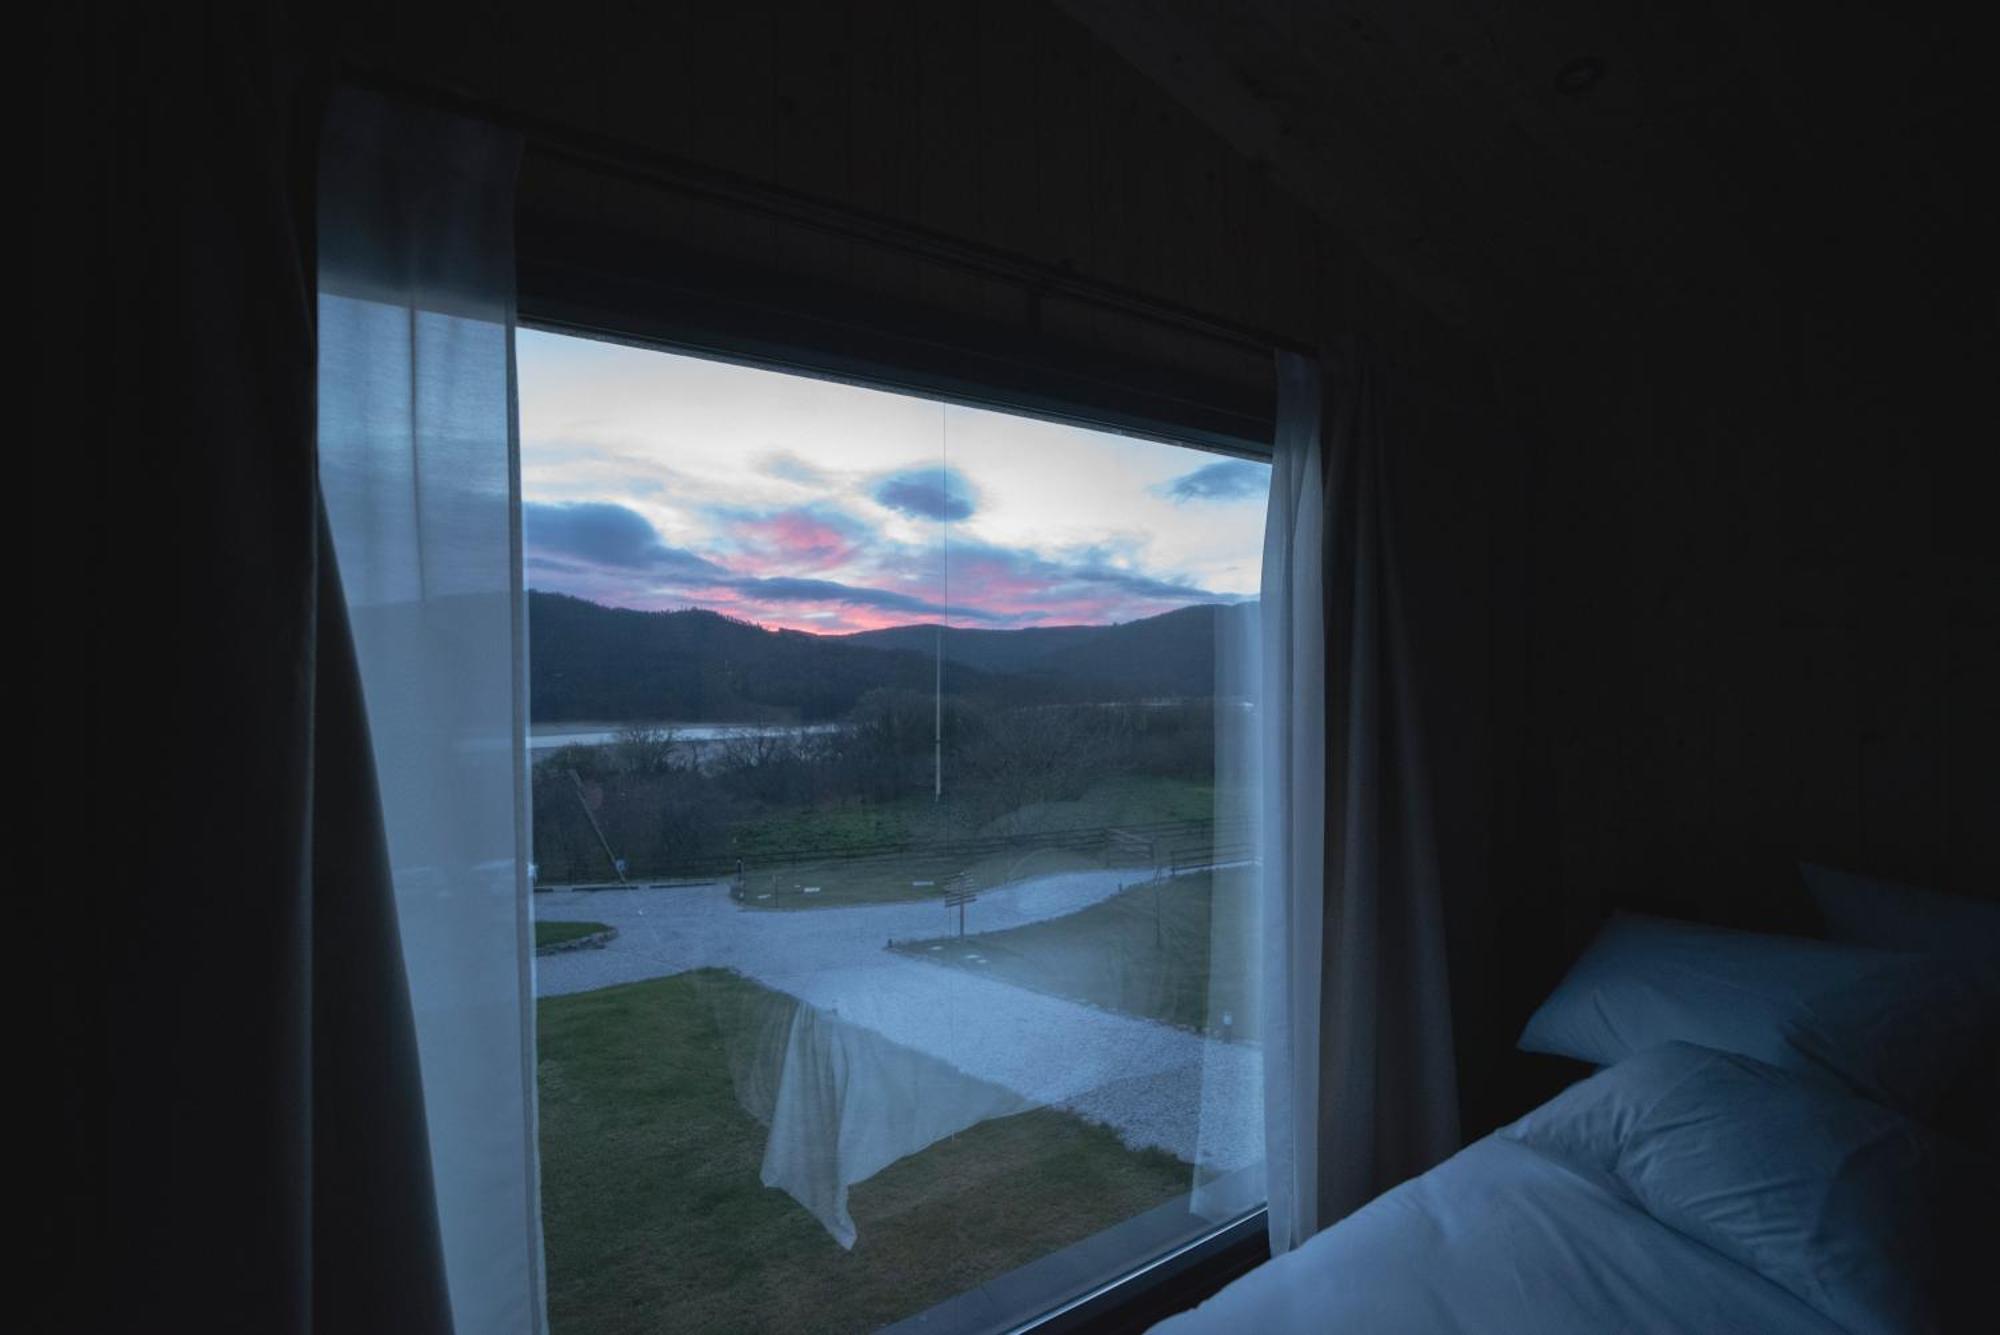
894	902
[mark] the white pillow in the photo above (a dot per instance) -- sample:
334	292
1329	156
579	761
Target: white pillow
1857	1210
1899	1028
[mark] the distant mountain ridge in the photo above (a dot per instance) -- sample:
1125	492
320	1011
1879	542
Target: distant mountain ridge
1172	654
605	664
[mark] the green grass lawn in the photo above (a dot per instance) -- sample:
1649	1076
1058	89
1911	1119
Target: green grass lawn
833	828
779	879
654	1218
1147	951
555	933
1128	799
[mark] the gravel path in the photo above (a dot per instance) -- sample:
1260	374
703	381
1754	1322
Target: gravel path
1142	1078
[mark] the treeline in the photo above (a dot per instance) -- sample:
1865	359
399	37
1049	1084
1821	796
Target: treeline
671	806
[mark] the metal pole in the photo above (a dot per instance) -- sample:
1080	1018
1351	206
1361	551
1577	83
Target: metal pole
595	828
944	575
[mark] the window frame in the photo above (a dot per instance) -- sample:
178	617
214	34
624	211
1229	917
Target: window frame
765	324
596	284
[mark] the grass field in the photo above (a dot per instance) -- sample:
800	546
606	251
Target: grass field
1147	951
780	879
654	1218
834	828
555	933
1128	799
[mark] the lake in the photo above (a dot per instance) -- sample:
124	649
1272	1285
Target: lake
549	737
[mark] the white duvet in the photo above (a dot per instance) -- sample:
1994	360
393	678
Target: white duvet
1684	1189
1499	1239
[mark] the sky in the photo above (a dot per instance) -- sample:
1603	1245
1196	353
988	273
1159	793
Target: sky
658	481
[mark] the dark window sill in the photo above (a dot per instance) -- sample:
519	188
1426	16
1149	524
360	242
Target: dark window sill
1092	1285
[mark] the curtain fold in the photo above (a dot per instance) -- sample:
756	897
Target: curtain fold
378	1261
1360	1090
265	1165
418	466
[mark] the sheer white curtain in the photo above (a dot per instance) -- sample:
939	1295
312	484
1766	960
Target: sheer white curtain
1229	1147
417	463
1359	1081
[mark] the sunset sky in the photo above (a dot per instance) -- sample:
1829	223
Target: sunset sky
658	481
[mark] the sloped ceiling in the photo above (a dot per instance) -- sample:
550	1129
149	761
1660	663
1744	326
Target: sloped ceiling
1503	159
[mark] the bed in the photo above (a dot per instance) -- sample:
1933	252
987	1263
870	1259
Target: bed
1766	1147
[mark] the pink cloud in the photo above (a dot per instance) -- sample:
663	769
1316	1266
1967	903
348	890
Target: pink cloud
793	541
807	569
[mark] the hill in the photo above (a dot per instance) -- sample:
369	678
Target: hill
605	664
1172	654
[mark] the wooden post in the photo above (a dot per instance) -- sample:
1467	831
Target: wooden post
958	892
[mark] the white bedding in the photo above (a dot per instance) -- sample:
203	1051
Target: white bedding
1502	1238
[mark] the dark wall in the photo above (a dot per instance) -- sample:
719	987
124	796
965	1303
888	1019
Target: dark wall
1761	604
997	122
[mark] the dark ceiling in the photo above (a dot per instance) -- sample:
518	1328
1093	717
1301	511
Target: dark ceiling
1578	156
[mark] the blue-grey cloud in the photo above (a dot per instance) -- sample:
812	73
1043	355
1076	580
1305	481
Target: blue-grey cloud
927	493
612	553
1017	579
1139	583
605	534
789	467
1224	480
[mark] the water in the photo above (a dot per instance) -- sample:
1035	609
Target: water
549	737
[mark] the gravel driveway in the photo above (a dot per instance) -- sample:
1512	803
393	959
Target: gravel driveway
1142	1078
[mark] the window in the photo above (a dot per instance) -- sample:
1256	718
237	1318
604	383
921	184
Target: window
893	896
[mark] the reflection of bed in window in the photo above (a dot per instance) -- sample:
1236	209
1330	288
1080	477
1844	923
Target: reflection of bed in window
842	1102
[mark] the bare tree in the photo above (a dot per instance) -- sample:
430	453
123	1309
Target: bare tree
637	749
1036	755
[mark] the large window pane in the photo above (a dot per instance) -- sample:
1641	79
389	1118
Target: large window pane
891	846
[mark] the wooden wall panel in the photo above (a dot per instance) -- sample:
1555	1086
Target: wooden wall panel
998	122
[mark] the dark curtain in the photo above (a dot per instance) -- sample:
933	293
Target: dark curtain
1359	1081
218	1025
1388	1072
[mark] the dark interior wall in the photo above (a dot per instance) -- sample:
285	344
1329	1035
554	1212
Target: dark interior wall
1004	124
1761	609
1761	583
